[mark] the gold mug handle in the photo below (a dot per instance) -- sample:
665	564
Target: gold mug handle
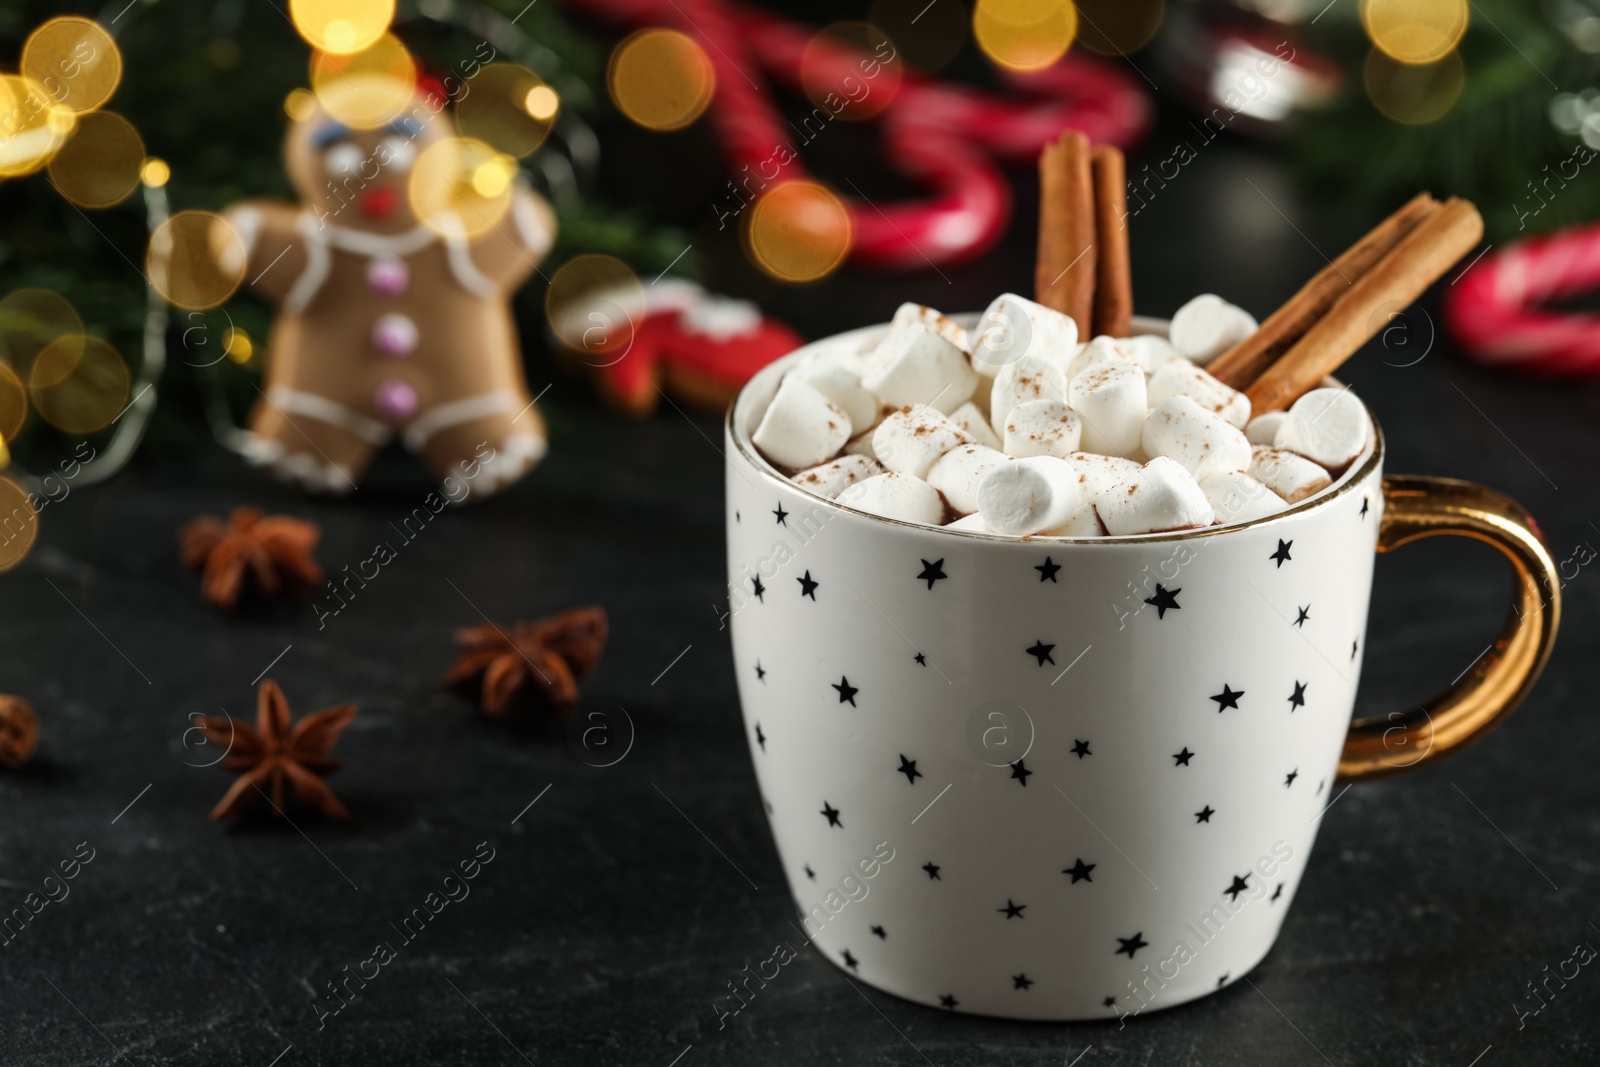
1417	506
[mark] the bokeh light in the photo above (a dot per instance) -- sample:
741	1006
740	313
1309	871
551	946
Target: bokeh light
661	79
19	523
31	319
1024	34
926	36
300	104
1118	27
79	385
846	69
155	173
75	61
594	303
35	129
461	187
238	346
13	405
1415	31
500	109
1414	94
366	89
196	260
798	231
341	27
100	163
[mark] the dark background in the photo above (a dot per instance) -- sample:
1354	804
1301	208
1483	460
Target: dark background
612	914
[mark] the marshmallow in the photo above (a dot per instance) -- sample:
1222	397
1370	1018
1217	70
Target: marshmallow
971	419
1237	497
913	364
801	427
1203	441
1097	473
841	383
1149	351
908	441
1085	522
1162	496
1207	326
1290	476
861	445
832	354
1327	426
1111	399
1026	496
1100	350
957	473
1179	377
1013	327
896	496
971	523
1028	377
1263	429
942	324
1043	428
834	476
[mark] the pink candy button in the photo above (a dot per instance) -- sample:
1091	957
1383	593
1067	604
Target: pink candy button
394	335
394	400
388	277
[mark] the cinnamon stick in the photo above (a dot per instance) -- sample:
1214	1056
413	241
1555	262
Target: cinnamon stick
1246	361
1113	291
1420	258
1065	272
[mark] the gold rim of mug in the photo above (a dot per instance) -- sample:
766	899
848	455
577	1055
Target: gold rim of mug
1142	324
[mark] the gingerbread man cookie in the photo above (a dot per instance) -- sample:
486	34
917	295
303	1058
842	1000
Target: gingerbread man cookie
388	324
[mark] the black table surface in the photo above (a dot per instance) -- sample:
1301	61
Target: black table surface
617	906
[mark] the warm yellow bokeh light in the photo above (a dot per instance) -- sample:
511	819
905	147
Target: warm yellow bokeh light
798	231
195	260
155	173
1414	94
79	385
461	187
19	523
1024	34
33	128
341	27
593	305
542	103
1415	31
239	347
13	404
100	163
660	79
851	69
30	319
75	61
498	110
300	104
366	89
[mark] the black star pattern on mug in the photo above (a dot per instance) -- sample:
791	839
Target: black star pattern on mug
879	933
758	589
1130	945
1041	652
948	1000
1079	871
1222	981
831	813
761	738
736	516
1164	600
932	572
1080	748
1278	892
849	960
1109	1002
847	692
1304	615
1288	779
1204	814
1354	645
1047	570
761	675
1321	783
1021	981
808	587
1181	759
1228	698
1020	772
1364	504
908	767
1239	885
1012	911
1297	699
810	873
922	661
1282	555
933	871
783	516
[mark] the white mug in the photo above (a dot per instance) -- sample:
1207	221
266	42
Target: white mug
1067	780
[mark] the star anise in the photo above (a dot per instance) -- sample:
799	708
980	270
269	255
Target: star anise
272	551
274	752
549	655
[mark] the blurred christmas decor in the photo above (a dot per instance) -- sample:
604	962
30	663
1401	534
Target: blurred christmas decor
548	656
19	731
268	555
277	752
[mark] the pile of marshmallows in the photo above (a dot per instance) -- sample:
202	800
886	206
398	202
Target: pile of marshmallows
1019	429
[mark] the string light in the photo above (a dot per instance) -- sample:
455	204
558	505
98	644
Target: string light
661	79
1024	34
